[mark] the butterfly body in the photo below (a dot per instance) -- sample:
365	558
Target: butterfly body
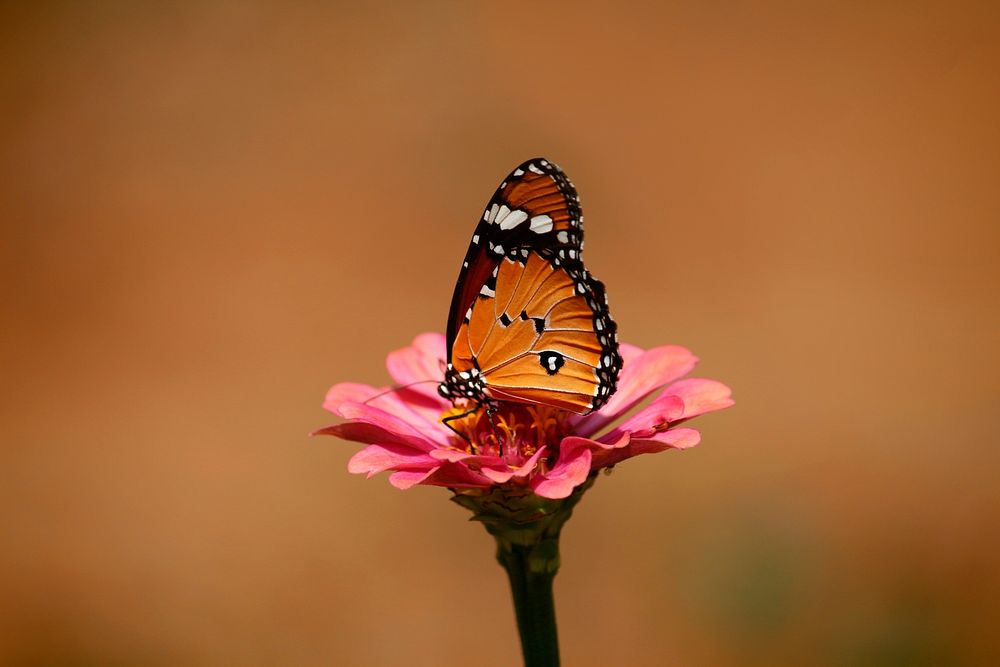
528	323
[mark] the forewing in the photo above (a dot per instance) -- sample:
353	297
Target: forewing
536	208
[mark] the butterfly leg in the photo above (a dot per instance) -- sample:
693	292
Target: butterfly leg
491	410
446	421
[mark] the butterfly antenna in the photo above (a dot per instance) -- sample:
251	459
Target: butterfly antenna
398	387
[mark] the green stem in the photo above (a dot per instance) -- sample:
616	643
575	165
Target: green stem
526	528
534	605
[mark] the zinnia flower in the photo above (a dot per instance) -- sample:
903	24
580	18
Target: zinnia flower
520	449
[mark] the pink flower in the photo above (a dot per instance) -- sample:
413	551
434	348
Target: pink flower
541	448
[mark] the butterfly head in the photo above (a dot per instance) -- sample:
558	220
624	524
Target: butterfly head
465	384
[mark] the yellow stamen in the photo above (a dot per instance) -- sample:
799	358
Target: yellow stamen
519	428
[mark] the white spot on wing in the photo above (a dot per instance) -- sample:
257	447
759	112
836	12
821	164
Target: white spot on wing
513	219
563	236
541	224
519	172
493	212
532	167
500	215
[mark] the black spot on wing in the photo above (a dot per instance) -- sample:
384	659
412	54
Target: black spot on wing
551	361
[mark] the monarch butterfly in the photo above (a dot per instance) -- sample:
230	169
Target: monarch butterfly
528	323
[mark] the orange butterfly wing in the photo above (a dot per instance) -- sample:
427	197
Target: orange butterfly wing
535	341
528	322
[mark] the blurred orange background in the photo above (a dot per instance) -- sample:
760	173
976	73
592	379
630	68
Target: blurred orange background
214	211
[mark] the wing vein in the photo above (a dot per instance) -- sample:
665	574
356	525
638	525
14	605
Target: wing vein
505	362
513	291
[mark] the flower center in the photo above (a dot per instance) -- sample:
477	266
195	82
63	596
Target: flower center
513	430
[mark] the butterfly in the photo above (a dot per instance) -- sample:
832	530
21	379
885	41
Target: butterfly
528	323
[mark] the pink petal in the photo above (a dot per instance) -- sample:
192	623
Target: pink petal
432	345
458	456
493	467
370	434
453	475
417	410
368	414
664	409
411	407
679	438
701	396
528	466
599	450
456	475
570	471
405	479
641	375
629	352
506	472
675	438
345	392
379	458
423	363
497	475
595	445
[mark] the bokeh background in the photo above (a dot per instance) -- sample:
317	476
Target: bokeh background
211	212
